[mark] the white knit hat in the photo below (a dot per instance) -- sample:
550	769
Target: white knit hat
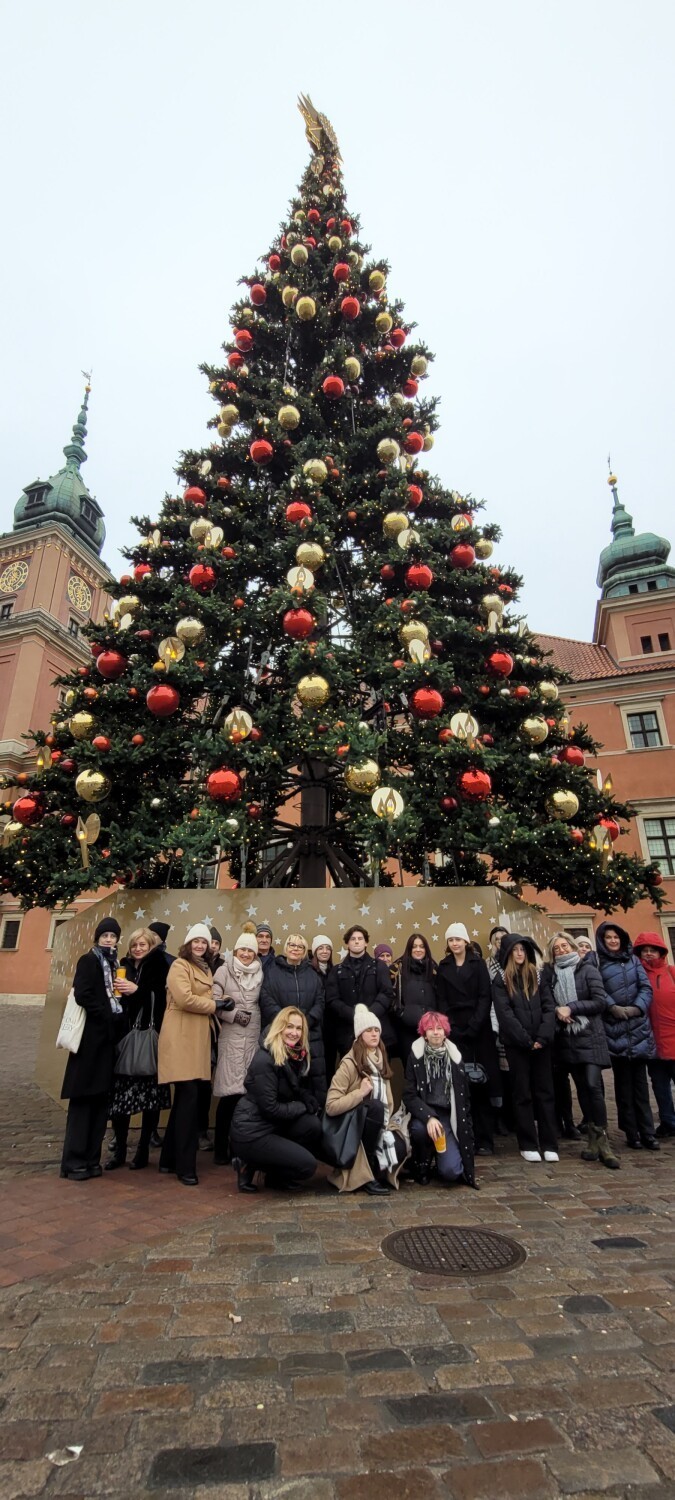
363	1019
457	930
246	940
321	940
200	930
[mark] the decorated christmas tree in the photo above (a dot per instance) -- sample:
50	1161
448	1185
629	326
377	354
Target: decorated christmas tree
313	670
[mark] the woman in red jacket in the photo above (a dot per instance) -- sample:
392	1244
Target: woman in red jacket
652	953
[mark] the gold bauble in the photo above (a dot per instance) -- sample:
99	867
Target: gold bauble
305	307
313	691
394	521
69	698
10	832
387	803
128	604
355	259
246	315
229	414
363	778
190	630
288	417
299	255
200	528
376	281
384	322
388	451
352	367
563	804
289	295
315	469
159	666
224	430
299	216
548	691
419	365
310	555
534	729
397	400
413	630
428	442
81	725
335	243
92	786
237	725
483	548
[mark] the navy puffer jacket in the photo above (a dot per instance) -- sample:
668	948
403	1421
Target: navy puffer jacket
626	985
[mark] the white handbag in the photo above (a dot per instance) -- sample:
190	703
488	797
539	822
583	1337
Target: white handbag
72	1025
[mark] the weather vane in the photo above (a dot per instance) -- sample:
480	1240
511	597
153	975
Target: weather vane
318	129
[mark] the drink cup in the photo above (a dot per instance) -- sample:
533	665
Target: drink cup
440	1142
121	974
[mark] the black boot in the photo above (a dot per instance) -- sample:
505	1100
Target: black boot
119	1155
245	1175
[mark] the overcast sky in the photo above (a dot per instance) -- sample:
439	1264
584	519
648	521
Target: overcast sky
512	159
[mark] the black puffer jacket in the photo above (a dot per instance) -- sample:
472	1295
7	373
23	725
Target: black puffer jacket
523	1019
579	1043
299	985
417	992
415	1094
353	982
275	1096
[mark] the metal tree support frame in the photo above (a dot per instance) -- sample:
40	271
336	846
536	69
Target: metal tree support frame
310	851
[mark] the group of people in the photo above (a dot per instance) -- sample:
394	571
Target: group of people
296	1049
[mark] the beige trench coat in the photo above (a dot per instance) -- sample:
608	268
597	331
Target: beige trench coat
343	1094
185	1037
236	1044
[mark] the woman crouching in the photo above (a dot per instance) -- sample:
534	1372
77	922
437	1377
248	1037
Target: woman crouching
435	1093
276	1127
363	1078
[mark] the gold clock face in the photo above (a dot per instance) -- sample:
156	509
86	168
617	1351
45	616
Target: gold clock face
13	577
79	594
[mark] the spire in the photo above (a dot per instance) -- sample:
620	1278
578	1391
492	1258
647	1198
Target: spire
632	563
74	451
64	498
622	521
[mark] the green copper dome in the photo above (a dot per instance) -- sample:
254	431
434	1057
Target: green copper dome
64	497
632	564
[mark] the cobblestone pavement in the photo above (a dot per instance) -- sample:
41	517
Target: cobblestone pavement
202	1344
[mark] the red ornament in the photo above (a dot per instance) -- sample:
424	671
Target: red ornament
342	750
28	810
202	578
612	828
125	580
414	442
298	623
345	226
141	571
274	262
487	739
397	337
255	735
243	340
81	672
333	387
235	360
111	664
56	756
101	742
426	703
415	495
506	590
68	820
419	576
388	573
261	451
298	511
577	835
399	663
143	635
310	240
462	555
195	496
572	755
475	785
162	700
138	739
254	811
521	692
314	216
68	765
410	387
445	736
657	878
224	786
500	664
223	482
341	271
350	308
236	604
448	804
258	294
229	553
96	648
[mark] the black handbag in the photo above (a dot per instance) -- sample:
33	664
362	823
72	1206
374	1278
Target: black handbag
475	1072
136	1054
341	1136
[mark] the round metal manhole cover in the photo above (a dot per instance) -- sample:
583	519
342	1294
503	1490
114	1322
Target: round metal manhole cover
443	1250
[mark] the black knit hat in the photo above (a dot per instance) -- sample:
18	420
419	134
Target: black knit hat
107	924
162	929
215	935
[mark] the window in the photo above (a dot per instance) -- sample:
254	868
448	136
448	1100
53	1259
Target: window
56	922
36	497
651	585
646	643
9	934
664	641
73	626
88	512
62	695
644	730
670	935
633	588
660	836
6	611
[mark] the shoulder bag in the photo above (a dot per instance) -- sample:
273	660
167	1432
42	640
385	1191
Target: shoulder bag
341	1136
72	1025
136	1054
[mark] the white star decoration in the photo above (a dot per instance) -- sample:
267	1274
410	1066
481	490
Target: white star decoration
296	905
408	905
321	921
365	910
139	912
184	906
434	919
477	910
251	911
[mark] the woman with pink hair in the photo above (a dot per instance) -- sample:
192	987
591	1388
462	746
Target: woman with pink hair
436	1095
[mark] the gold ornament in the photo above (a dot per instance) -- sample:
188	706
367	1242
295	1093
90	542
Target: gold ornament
200	529
363	778
460	523
376	281
299	216
301	580
190	630
534	729
393	522
10	832
43	759
171	650
407	538
299	255
355	259
413	630
492	608
159	666
335	243
246	315
563	804
81	725
315	469
397	400
238	725
483	548
388	451
387	803
428	442
419	365
92	786
129	604
313	691
305	308
384	322
548	691
69	698
288	296
288	417
310	555
352	367
465	728
87	834
223	430
229	414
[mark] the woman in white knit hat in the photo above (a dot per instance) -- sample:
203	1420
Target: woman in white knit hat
363	1077
185	1050
236	989
465	997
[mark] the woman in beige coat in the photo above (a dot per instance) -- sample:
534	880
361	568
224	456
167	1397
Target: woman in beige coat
185	1051
363	1077
236	989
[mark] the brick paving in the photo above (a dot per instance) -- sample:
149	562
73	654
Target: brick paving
201	1344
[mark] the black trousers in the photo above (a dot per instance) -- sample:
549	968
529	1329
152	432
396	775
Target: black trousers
204	1106
120	1125
564	1108
179	1151
533	1100
631	1091
482	1115
224	1113
588	1083
288	1158
85	1129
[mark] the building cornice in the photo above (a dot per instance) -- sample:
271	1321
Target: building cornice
654	683
15	544
621	603
37	622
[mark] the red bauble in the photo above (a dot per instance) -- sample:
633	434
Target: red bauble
577	835
487	739
612	828
298	623
224	786
67	765
223	482
202	578
229	553
314	216
101	742
419	576
572	755
243	340
506	590
143	635
310	240
68	820
341	271
194	496
254	811
333	387
397	337
141	571
426	703
462	555
261	451
56	756
448	804
96	648
388	573
415	495
410	387
258	294
521	692
475	785
345	226
111	664
657	878
235	360
274	262
162	700
500	664
414	442
255	735
350	308
28	810
298	511
138	739
445	736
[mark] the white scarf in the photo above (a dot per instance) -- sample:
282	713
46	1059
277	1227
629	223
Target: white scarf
385	1150
247	976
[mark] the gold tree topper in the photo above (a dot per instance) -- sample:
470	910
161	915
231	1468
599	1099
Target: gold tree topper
318	129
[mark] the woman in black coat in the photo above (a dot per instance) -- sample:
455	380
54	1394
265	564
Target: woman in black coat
144	993
436	1095
89	1071
578	994
526	1015
291	980
359	979
416	983
276	1127
463	995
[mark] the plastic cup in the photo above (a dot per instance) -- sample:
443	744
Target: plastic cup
121	974
440	1142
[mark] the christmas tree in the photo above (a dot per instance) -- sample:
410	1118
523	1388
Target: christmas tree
312	670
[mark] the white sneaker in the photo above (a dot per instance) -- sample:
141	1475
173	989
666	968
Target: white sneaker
551	1156
530	1156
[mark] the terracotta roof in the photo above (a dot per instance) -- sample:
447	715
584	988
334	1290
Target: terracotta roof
585	660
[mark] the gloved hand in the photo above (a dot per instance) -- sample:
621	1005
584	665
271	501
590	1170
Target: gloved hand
242	1018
